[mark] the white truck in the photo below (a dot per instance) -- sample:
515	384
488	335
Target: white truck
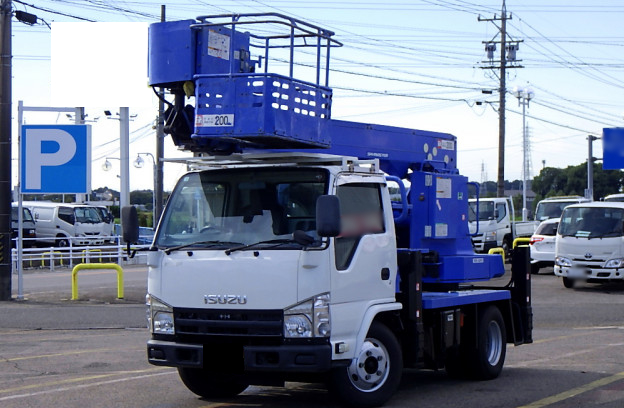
492	224
65	224
281	256
590	243
552	207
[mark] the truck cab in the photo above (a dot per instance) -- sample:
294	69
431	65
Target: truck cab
489	220
590	243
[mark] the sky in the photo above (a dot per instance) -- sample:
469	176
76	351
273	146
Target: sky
411	63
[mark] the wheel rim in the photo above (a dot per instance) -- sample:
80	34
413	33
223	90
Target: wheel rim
370	369
494	346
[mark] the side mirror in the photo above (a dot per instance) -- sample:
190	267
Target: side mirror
130	225
328	216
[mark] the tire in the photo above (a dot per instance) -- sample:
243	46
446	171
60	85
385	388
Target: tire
211	384
491	345
374	374
535	269
62	243
568	283
507	244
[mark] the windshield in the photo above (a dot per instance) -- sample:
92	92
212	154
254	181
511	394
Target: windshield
546	210
591	222
241	207
26	214
486	211
87	215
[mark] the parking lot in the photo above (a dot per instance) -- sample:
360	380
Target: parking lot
55	352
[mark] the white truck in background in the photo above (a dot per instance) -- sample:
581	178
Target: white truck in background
65	224
492	225
552	207
590	242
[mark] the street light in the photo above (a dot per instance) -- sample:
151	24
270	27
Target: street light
524	95
107	166
138	163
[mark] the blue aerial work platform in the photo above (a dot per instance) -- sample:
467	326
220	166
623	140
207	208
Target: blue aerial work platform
239	106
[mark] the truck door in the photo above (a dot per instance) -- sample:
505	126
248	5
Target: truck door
365	250
503	223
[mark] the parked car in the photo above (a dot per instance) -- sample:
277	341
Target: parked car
28	226
108	218
590	243
614	197
542	244
552	207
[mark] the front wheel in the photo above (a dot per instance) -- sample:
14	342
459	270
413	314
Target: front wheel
210	383
568	283
375	372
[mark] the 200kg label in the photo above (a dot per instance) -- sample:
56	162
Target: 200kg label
214	120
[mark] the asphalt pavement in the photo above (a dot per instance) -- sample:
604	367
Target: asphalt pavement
46	301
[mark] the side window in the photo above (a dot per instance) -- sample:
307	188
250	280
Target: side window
501	210
66	214
361	213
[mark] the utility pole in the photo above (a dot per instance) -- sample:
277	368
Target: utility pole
508	50
589	192
5	150
160	148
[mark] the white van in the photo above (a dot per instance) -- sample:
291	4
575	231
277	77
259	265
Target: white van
590	243
63	224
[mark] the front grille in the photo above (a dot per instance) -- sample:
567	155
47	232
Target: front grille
242	323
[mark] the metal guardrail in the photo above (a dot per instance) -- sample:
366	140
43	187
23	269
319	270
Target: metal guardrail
67	257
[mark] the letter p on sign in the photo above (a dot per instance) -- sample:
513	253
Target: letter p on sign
56	159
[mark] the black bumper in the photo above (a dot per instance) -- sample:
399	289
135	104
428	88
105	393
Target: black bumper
285	358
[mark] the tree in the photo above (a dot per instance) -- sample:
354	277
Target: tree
573	181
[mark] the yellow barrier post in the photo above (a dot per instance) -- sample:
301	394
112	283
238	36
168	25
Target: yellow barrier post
81	266
51	253
521	240
86	252
500	251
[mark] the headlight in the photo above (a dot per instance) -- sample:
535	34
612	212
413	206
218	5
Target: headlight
159	316
490	236
563	261
308	319
615	263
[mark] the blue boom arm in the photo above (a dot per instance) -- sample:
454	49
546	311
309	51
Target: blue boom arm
239	106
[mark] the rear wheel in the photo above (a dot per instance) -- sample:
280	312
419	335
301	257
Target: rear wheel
491	345
375	372
211	384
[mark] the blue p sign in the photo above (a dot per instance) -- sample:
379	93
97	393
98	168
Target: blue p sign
613	148
56	159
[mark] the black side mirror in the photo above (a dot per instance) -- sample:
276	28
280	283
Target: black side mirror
328	216
129	226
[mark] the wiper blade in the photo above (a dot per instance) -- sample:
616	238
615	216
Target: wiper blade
275	243
196	243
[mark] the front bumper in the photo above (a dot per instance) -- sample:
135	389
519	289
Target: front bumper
284	358
483	247
587	273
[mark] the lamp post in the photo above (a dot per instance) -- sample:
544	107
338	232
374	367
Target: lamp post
138	163
107	166
524	95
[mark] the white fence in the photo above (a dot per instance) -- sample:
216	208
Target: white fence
67	257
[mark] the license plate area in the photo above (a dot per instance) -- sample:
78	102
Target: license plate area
577	273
